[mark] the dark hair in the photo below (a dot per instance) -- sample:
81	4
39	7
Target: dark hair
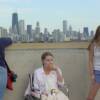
45	54
95	38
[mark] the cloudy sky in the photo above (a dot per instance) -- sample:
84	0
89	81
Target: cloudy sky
50	13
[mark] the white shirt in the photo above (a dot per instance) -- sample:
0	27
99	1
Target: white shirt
44	82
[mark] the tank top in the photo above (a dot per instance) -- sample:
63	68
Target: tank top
96	58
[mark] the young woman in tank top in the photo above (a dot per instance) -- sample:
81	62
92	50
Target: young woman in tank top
94	65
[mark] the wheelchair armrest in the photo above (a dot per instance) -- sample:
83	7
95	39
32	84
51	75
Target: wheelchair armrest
65	88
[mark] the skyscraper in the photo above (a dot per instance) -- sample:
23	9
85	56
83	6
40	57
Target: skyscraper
57	35
3	32
21	27
70	30
65	27
86	32
91	33
37	30
29	29
46	35
15	28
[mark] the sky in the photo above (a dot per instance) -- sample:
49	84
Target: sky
51	13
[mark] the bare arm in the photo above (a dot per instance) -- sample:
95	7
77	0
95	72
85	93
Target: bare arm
59	75
91	54
60	78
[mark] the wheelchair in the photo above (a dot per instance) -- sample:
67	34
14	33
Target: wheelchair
65	89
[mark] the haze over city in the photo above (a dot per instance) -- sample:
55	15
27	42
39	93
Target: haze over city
50	13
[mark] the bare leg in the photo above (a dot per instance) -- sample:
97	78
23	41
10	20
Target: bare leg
93	90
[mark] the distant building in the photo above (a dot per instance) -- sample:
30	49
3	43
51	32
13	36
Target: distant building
92	33
21	27
79	36
29	31
46	35
41	37
58	36
10	30
15	27
24	38
86	32
75	36
70	32
3	32
37	29
64	27
37	32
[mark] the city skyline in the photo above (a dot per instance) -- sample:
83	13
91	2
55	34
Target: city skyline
51	13
15	20
19	33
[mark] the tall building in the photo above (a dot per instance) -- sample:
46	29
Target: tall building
3	32
29	30
46	35
21	27
70	30
65	27
15	28
37	30
45	31
86	32
57	35
92	33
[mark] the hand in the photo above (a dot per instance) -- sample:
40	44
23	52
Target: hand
55	67
92	77
44	93
33	93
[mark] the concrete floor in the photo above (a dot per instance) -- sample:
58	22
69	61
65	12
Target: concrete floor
73	62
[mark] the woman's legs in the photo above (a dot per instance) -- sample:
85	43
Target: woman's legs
3	81
93	90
